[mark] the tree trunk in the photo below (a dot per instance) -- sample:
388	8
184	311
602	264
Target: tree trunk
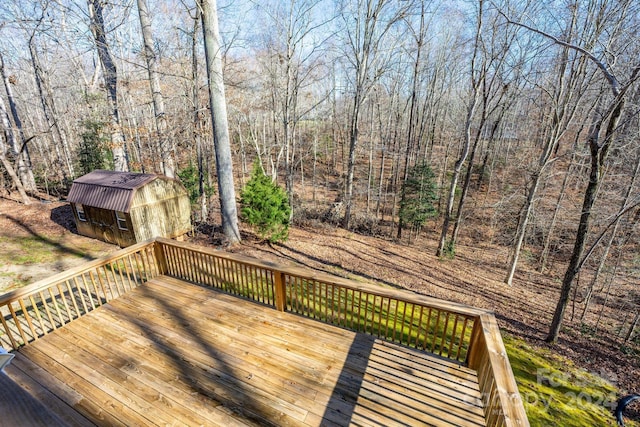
50	113
471	108
412	113
351	162
612	236
110	74
165	146
457	221
203	171
222	144
25	170
7	164
598	158
554	219
523	221
456	175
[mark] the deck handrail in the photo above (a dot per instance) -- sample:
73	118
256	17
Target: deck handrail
30	312
455	331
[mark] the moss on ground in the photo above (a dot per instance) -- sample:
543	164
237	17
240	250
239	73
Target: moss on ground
557	393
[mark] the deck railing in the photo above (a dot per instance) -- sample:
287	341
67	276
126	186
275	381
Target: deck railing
37	309
467	335
457	332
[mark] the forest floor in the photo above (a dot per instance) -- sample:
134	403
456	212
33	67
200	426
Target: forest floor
39	240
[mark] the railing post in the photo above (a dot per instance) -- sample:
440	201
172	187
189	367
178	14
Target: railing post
279	288
474	347
161	260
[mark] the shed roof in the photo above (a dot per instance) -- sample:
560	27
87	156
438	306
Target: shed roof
108	189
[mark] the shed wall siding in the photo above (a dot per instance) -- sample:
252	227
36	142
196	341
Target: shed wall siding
169	218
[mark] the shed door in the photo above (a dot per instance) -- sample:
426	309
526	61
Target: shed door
102	221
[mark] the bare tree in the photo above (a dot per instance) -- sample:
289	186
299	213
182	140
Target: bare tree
197	124
20	151
419	37
6	127
367	26
290	64
110	74
477	75
222	144
604	124
565	95
165	145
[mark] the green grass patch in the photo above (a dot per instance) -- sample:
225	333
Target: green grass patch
556	392
33	250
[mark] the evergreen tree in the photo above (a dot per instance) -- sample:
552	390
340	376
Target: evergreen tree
265	206
93	153
419	193
189	178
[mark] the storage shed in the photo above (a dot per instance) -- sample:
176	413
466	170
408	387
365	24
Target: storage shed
125	207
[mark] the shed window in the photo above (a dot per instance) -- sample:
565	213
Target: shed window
122	220
80	211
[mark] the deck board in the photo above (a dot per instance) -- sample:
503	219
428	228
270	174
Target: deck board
174	353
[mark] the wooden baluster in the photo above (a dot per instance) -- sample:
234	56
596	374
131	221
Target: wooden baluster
137	280
395	320
27	317
108	287
403	321
46	309
462	336
66	306
147	266
17	323
162	257
14	344
88	290
126	269
55	305
115	279
453	336
84	305
280	291
444	333
38	316
435	331
411	320
72	298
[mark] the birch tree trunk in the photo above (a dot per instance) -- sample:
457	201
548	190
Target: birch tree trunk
165	146
222	143
110	74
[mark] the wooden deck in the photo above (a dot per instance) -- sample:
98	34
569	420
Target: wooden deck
173	353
